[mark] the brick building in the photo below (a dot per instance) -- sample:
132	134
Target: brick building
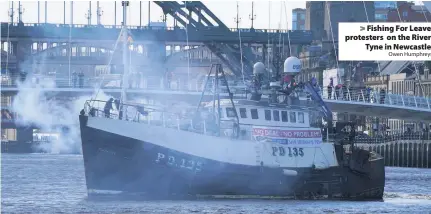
382	8
408	12
322	17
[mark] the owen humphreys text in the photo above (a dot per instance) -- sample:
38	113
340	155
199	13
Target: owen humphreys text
411	33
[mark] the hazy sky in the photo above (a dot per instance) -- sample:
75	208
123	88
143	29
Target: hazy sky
269	14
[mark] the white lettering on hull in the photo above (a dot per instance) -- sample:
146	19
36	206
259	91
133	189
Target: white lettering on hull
173	161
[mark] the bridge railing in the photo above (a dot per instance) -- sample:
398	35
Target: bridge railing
362	95
356	95
114	81
136	27
393	137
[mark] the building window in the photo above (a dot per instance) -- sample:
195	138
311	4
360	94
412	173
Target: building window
302	16
381	17
294	25
405	14
243	112
385	4
267	114
276	115
292	117
300	117
6	100
8	135
284	116
254	114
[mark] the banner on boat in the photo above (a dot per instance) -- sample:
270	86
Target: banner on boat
287	136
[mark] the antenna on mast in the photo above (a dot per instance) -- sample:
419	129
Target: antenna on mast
99	13
252	15
237	18
20	12
88	14
11	13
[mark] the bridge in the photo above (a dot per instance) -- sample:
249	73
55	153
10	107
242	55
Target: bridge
29	43
64	33
355	101
92	45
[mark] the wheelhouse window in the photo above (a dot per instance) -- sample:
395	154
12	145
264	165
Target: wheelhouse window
254	114
243	112
276	115
292	115
230	112
300	117
267	114
284	116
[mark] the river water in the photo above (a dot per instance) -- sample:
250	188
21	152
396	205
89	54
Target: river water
43	183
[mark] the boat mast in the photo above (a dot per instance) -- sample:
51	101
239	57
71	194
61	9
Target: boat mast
217	91
125	83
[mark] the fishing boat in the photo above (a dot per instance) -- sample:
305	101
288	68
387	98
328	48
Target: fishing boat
263	145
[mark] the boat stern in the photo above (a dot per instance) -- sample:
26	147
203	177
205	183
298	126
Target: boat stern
365	176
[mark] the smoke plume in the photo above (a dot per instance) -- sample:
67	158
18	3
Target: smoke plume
35	107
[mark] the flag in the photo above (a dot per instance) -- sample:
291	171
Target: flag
130	39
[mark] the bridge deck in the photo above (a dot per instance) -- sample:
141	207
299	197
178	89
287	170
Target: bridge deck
355	101
62	32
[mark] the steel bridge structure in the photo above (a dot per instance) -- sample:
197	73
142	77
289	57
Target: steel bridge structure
25	46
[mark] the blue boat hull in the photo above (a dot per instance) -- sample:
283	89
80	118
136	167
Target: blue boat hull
122	166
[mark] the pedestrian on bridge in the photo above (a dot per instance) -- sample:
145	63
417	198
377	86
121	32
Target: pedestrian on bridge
330	87
338	91
138	79
131	79
169	76
368	94
81	79
74	79
382	96
345	92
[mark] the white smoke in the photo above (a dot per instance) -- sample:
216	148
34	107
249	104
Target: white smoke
35	105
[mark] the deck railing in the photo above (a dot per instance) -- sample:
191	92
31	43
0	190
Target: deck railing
157	116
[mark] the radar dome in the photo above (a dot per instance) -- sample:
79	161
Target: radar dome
258	68
292	65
